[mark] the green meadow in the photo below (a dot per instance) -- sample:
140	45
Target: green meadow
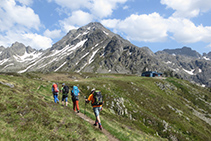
135	108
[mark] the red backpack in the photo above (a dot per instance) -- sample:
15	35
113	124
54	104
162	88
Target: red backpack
55	87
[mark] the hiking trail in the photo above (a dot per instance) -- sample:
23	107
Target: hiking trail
84	117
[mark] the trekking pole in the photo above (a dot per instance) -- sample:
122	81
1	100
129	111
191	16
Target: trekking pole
85	105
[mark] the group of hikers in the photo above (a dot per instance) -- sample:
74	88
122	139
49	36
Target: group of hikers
95	97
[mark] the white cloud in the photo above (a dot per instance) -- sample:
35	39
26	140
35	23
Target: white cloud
98	8
72	4
208	46
154	28
126	7
29	39
148	28
13	16
26	2
104	8
111	23
16	23
36	41
188	8
78	18
186	31
52	34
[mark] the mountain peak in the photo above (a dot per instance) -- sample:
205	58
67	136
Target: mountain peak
95	24
17	44
186	51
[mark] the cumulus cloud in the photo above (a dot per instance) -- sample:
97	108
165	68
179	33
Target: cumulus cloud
98	8
36	41
155	28
104	8
148	28
186	31
78	18
26	2
52	34
188	8
16	23
73	4
16	16
111	23
28	39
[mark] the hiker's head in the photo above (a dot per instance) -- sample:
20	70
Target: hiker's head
63	84
93	90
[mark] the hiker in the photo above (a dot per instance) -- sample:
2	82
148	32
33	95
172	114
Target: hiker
75	93
65	91
97	103
55	91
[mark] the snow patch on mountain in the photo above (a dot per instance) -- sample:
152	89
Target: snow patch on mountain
82	67
105	33
22	71
54	59
168	62
82	58
77	36
91	59
11	64
60	66
3	61
67	49
189	72
27	56
86	32
206	58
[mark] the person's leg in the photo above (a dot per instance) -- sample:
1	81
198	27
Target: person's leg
62	100
74	105
97	115
57	98
66	100
95	112
98	118
77	104
54	98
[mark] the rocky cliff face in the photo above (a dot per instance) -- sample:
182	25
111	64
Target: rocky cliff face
192	66
93	48
186	51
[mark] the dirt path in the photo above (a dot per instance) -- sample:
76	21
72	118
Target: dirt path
84	117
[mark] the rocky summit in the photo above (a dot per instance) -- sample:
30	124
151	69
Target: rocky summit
94	48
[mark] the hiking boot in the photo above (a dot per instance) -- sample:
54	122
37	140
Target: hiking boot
95	124
100	126
78	111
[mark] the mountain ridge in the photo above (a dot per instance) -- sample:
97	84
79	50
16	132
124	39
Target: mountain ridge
93	48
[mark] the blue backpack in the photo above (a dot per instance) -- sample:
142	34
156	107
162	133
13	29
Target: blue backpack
75	91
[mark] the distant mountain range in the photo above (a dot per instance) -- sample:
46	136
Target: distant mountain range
94	48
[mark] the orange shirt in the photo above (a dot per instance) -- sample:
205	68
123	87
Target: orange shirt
91	98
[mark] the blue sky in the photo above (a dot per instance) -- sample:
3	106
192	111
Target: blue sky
157	24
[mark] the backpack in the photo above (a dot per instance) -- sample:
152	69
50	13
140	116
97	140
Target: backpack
55	88
75	92
98	98
65	90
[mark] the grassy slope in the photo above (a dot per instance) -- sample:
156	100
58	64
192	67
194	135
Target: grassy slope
27	111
